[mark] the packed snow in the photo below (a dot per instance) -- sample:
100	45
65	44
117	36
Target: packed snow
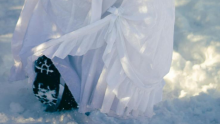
192	92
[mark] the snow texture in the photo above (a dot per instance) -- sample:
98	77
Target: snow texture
191	95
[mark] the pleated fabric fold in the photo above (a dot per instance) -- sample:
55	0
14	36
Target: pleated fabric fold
134	41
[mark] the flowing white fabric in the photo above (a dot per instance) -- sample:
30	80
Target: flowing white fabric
113	55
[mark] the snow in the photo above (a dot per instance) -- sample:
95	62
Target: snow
16	108
192	92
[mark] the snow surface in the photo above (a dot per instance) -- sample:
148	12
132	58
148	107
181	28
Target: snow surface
192	92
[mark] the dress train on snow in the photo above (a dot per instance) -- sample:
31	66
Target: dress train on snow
112	55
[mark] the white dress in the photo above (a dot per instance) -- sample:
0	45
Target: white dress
112	54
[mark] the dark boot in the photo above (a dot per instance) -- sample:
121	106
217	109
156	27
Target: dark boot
50	88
